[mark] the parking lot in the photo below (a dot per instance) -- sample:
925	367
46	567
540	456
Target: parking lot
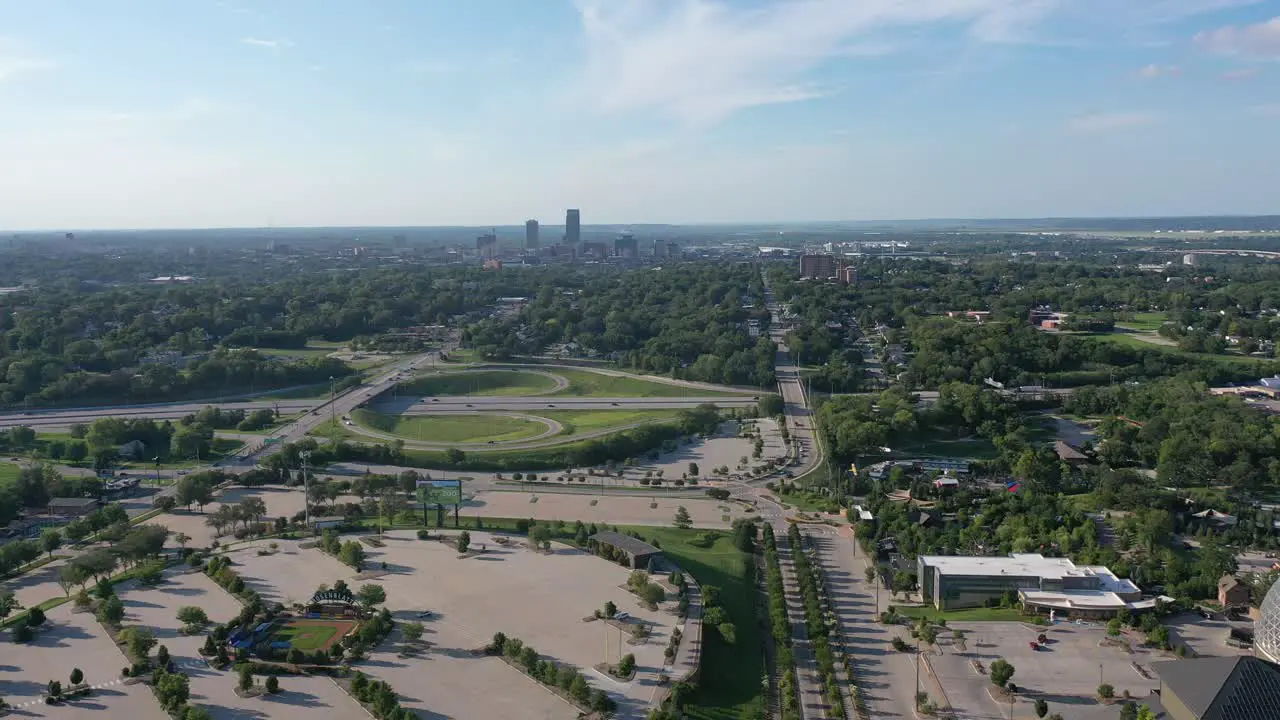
541	599
607	509
290	574
280	502
1066	673
69	640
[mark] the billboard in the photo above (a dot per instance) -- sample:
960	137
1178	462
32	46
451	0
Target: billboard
440	492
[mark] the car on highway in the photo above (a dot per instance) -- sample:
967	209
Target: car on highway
614	404
470	405
550	405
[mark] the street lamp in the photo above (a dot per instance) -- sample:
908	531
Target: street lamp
306	487
333	394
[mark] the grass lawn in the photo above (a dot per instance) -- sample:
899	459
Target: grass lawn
1144	322
584	421
304	392
9	472
452	428
806	501
965	615
1137	342
308	636
484	382
729	683
976	449
310	351
584	383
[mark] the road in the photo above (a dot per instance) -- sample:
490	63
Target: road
161	411
440	405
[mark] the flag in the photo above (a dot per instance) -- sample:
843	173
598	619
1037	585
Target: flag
1012	486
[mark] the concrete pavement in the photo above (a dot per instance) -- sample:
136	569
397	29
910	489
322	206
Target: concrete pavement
432	406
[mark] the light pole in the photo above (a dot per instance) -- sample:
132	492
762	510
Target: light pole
306	487
333	410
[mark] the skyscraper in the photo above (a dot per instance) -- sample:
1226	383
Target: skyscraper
572	228
530	234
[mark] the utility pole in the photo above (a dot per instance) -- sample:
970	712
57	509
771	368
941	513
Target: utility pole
306	486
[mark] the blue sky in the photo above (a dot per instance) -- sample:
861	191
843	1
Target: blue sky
199	113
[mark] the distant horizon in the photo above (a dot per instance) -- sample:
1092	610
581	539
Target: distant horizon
697	224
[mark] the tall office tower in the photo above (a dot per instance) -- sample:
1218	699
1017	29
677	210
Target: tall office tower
487	245
530	234
625	245
572	228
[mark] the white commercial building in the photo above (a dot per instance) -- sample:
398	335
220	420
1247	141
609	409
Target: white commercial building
1042	584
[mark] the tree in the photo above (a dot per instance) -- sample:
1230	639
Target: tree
195	712
464	541
610	609
1129	711
139	641
653	594
111	611
192	615
55	689
412	631
35	617
245	680
196	489
273	685
683	520
50	540
1000	672
1042	707
1146	713
173	690
182	539
8	603
627	665
1106	690
77	676
579	689
770	405
352	553
372	594
693	469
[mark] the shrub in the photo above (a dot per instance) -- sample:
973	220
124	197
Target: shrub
273	684
1106	691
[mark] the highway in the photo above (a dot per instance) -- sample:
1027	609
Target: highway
440	405
166	411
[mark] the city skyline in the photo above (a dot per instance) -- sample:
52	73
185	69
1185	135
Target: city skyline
244	114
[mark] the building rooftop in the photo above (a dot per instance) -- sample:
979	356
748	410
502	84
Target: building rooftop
79	503
1027	565
1068	453
626	543
1224	688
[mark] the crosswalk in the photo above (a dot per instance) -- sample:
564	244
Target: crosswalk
178	665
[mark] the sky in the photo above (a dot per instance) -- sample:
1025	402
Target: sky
235	113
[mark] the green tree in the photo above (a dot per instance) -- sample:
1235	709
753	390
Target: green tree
627	665
272	685
1000	672
193	615
50	540
372	594
683	520
464	541
77	676
245	678
1042	707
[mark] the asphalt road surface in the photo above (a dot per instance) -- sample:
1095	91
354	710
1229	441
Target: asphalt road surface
431	406
167	411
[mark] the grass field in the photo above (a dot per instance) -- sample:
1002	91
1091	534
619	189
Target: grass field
1137	342
584	383
577	422
307	352
1144	322
484	382
8	472
456	428
965	615
729	682
308	635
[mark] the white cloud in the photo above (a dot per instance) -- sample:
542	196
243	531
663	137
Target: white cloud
11	67
700	61
1103	122
1261	40
1154	71
274	44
